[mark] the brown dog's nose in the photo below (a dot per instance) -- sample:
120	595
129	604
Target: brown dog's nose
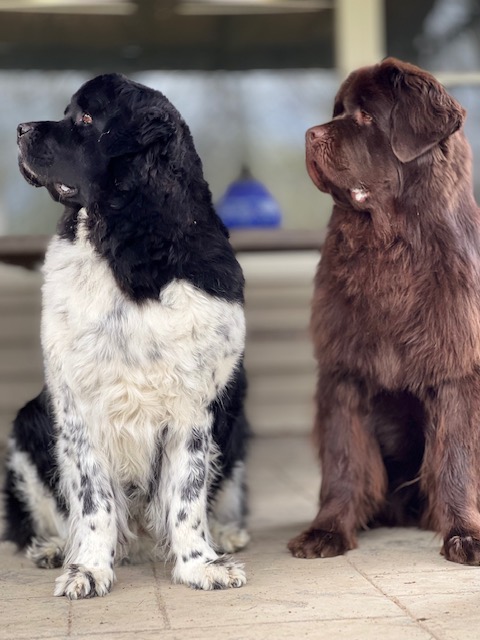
315	133
23	128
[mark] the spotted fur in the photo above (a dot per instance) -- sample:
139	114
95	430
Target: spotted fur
138	438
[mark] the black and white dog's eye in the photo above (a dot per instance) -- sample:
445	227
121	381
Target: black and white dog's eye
87	118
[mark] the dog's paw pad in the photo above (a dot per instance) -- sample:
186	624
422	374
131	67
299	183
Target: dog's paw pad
80	582
221	573
230	537
317	543
46	553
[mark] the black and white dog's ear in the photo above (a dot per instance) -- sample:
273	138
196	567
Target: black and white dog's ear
145	127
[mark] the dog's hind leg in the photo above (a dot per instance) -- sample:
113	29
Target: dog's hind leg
354	481
34	521
450	476
47	553
34	510
227	487
228	512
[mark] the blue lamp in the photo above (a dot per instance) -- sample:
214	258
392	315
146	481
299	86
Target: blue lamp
247	203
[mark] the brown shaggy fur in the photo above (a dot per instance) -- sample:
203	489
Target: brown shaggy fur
396	316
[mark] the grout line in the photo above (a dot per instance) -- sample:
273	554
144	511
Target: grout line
395	601
160	602
69	618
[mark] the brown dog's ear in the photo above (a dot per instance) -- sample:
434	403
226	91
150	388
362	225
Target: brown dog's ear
423	115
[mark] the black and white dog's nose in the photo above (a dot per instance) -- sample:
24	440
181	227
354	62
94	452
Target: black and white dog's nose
23	128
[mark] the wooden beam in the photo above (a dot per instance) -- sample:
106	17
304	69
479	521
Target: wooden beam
29	251
166	41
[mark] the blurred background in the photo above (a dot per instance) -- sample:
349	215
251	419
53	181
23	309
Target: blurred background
249	77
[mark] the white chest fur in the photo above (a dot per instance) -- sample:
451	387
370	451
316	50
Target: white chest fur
133	369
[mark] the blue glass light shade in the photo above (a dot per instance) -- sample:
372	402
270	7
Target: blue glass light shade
247	203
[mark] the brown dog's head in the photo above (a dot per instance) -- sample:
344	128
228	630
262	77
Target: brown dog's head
384	118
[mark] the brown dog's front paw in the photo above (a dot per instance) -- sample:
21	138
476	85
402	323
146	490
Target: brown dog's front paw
317	543
462	548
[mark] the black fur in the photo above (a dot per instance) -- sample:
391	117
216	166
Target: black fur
33	433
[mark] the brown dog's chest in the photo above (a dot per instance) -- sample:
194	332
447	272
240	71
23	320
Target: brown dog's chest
402	316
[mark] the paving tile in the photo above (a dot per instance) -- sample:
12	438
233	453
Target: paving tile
422	583
301	593
396	550
373	629
11	558
19	575
447	616
133	604
33	617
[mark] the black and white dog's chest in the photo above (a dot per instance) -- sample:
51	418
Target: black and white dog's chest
134	368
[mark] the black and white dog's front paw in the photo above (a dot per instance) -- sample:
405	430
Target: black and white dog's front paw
81	582
221	573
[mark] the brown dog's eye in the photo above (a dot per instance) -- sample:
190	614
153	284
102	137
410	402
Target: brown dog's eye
366	118
87	118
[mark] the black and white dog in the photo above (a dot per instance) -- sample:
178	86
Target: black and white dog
139	433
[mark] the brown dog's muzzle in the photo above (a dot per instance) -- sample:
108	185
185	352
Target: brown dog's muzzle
314	138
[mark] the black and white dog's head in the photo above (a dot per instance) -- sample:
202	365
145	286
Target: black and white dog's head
125	155
93	153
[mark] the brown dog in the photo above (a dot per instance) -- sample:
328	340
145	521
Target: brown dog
396	316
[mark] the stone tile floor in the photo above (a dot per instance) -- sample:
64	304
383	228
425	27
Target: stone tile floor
395	586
